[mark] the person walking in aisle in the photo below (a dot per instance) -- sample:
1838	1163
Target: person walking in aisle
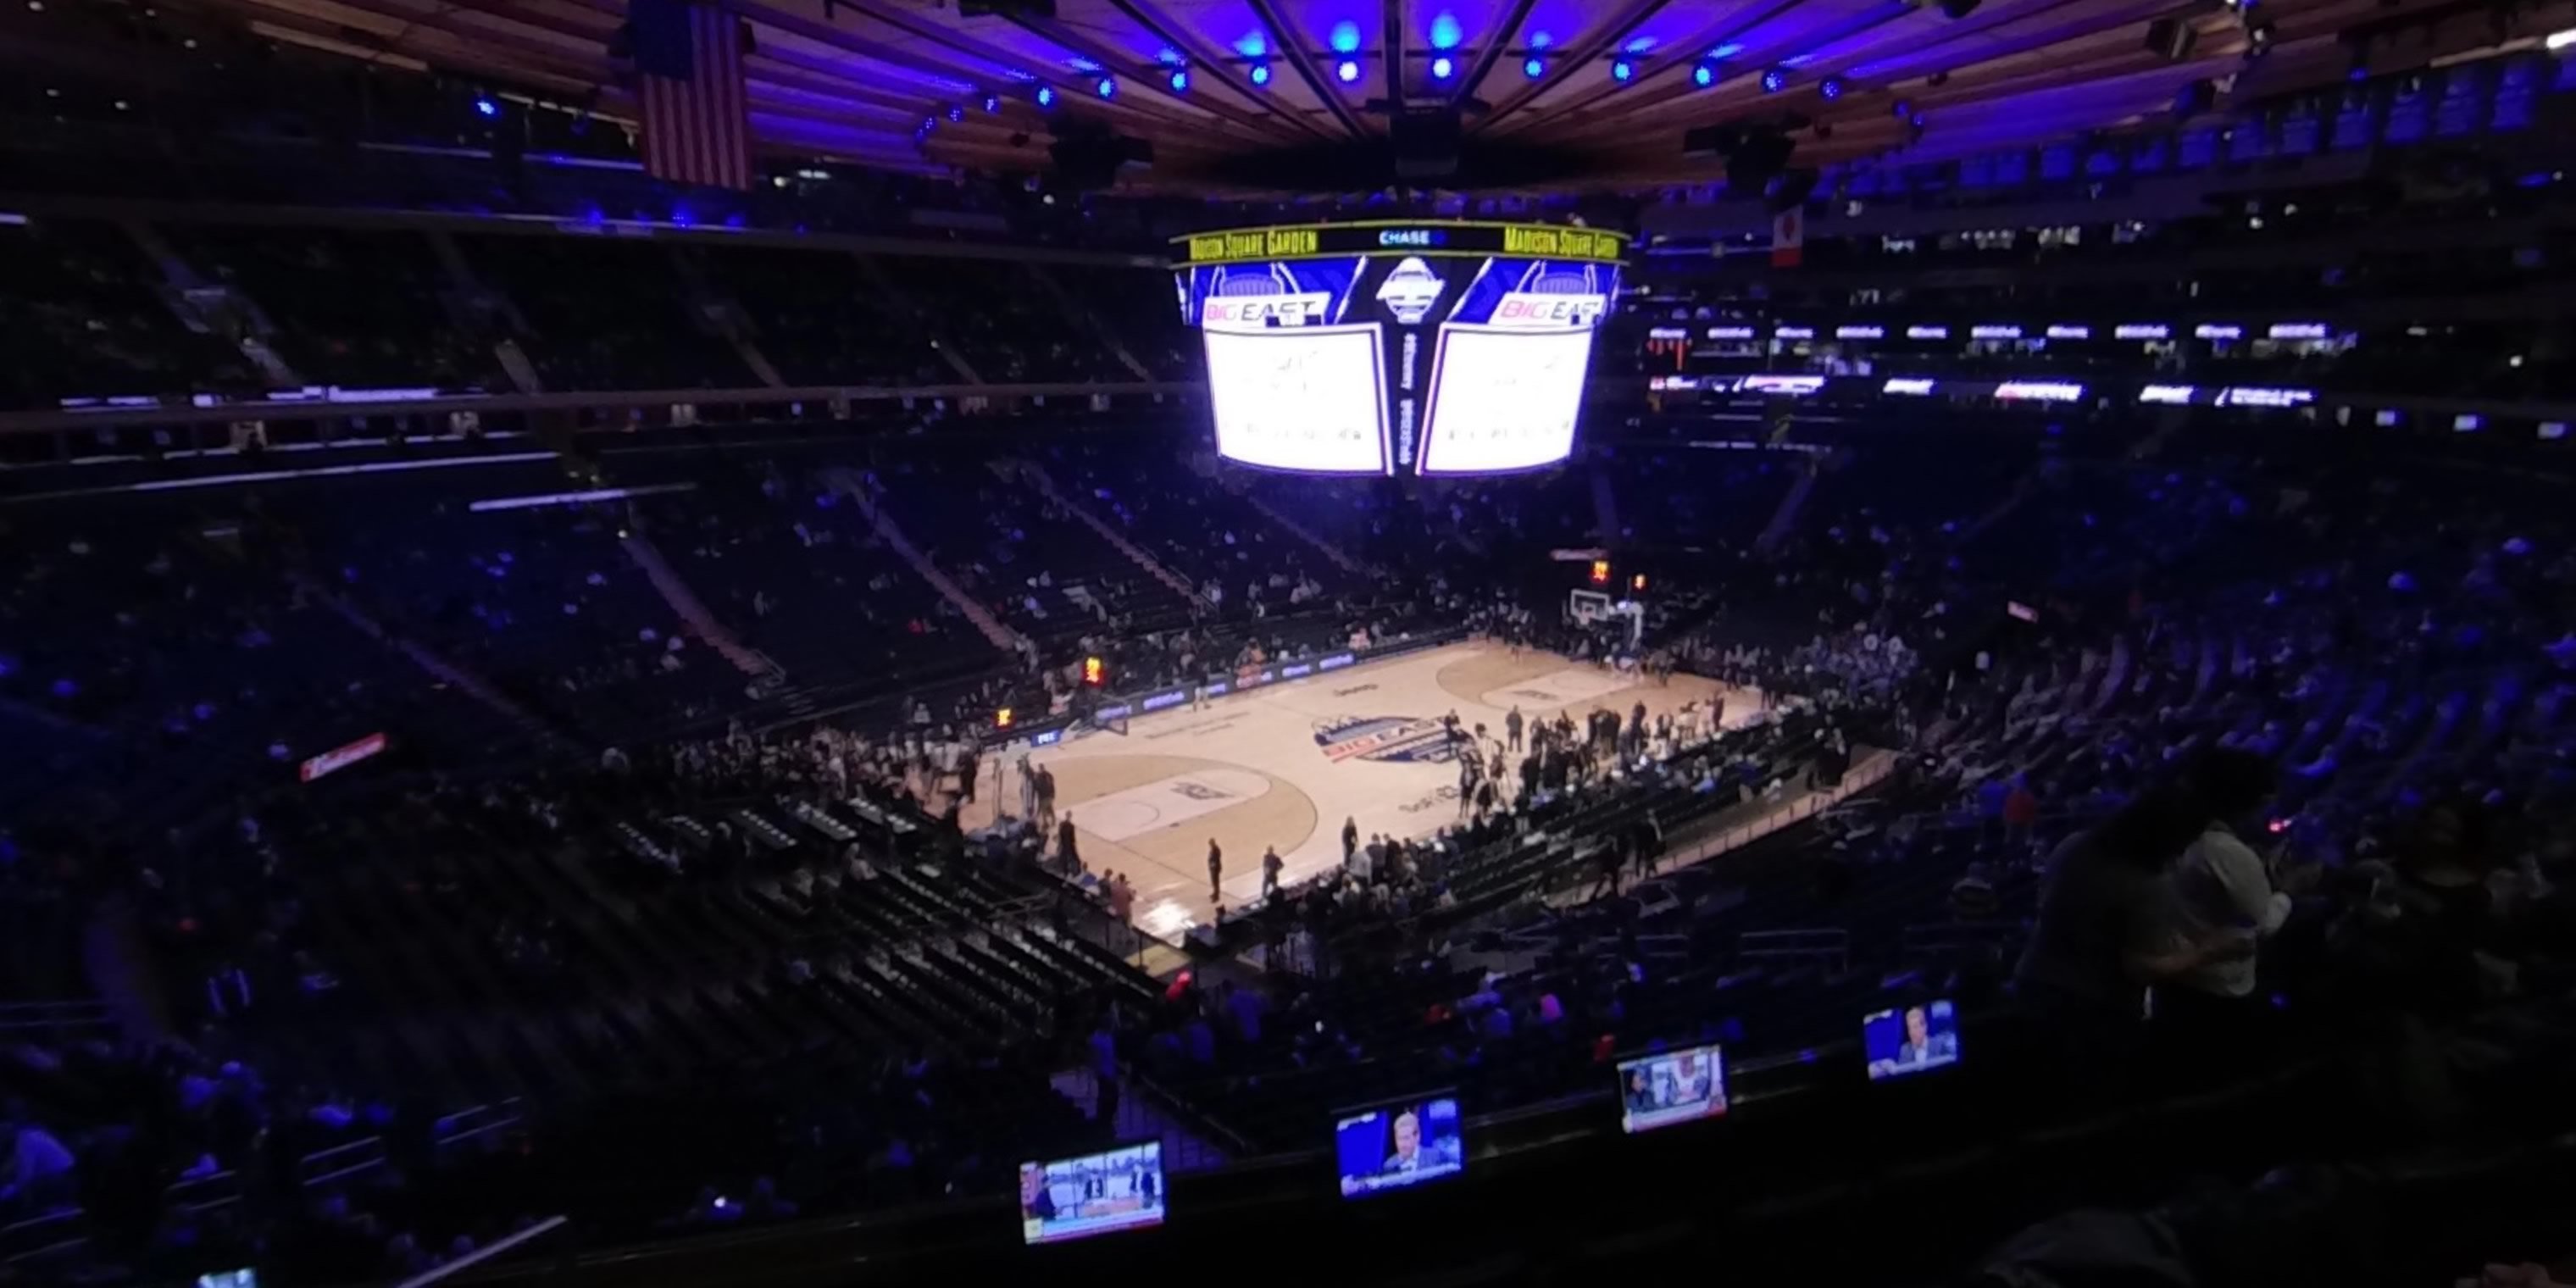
1216	870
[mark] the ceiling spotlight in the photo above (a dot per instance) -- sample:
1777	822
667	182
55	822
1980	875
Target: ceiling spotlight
1704	75
486	106
1046	96
1261	73
992	104
1903	109
955	113
1622	71
1347	71
1774	80
929	123
1106	87
1533	67
1831	88
1443	67
1180	80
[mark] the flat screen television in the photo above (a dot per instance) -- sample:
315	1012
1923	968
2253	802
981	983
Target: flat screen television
1075	1198
1672	1087
1908	1040
1399	1145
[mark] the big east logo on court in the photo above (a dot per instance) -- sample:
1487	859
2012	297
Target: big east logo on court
1535	311
1251	312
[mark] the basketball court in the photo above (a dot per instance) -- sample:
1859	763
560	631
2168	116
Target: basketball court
1286	764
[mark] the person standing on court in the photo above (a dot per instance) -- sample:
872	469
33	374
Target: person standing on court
1065	853
1512	728
1046	795
1350	838
1216	869
1271	863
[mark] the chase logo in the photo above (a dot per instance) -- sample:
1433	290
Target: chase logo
1404	739
1410	291
1538	310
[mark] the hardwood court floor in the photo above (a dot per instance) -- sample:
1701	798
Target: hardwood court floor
1285	765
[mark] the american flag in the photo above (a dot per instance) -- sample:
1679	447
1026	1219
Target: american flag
697	123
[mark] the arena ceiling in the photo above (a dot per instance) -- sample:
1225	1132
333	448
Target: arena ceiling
1244	97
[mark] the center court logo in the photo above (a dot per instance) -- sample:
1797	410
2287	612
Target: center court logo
1403	739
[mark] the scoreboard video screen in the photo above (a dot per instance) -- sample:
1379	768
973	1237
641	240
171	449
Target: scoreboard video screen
1398	348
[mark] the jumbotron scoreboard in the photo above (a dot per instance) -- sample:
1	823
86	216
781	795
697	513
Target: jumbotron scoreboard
1421	347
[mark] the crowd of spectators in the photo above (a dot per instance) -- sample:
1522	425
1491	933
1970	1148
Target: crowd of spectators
2394	655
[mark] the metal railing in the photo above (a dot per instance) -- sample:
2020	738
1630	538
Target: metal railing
29	1020
1825	945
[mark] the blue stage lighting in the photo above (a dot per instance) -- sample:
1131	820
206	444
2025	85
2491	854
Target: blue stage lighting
1703	75
1347	71
1622	71
486	106
1443	67
1180	80
1046	96
1261	73
1346	37
1106	87
1774	80
1534	67
1832	88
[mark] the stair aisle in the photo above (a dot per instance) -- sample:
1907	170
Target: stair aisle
1045	483
850	485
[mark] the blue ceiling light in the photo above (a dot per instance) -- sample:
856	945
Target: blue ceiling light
1046	96
1445	31
1180	80
1252	45
1638	46
929	123
1704	75
1169	57
1347	71
1774	80
1903	109
992	104
1533	67
956	113
1832	88
1443	67
1622	71
1346	37
486	106
1261	73
1106	87
1728	50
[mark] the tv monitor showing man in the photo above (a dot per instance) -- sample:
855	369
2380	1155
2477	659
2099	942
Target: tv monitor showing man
1399	1145
1911	1039
1672	1087
1074	1198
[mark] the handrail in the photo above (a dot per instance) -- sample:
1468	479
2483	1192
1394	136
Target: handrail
485	1253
